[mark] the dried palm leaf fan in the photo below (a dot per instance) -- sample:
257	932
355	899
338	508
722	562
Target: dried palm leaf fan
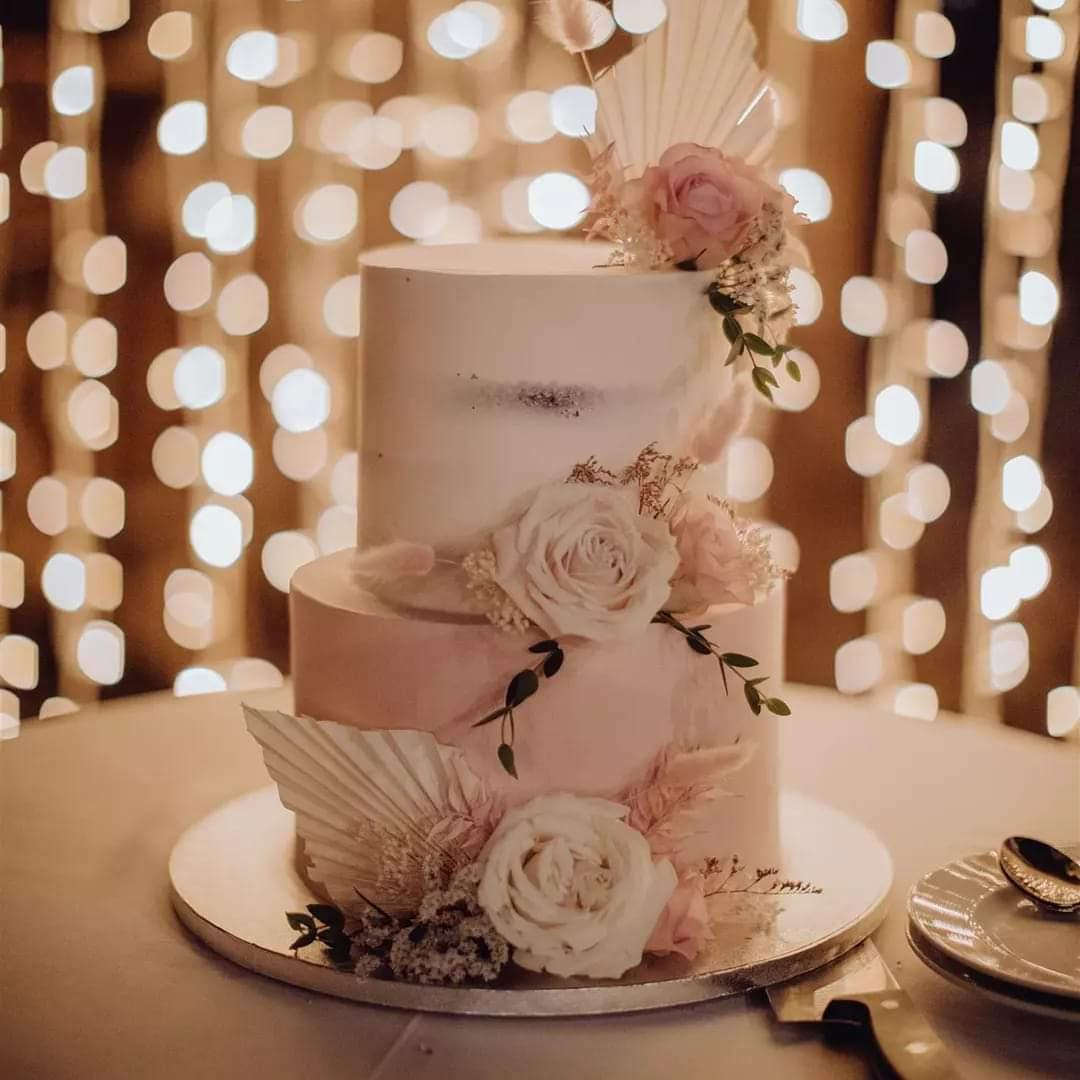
376	810
693	79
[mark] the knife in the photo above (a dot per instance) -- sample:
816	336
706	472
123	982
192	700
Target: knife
858	992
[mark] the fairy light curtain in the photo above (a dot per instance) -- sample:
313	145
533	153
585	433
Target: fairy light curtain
184	192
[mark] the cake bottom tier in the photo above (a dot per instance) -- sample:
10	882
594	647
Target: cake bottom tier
594	729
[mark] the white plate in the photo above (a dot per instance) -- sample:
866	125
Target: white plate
977	920
1060	1008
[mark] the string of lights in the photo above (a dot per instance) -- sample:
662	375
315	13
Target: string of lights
1009	385
75	348
906	348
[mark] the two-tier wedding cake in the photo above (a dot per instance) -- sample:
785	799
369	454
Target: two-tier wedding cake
536	706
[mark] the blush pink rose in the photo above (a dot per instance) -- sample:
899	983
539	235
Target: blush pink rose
703	205
683	926
713	565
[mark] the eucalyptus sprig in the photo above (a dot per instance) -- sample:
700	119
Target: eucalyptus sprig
520	688
752	345
729	662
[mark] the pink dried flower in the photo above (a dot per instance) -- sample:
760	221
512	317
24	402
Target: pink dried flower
666	804
714	564
703	205
683	926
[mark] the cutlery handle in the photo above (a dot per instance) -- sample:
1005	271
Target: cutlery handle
904	1040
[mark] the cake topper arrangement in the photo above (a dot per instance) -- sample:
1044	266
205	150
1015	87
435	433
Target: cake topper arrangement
436	871
684	124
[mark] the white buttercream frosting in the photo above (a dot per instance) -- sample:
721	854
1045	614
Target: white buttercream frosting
489	370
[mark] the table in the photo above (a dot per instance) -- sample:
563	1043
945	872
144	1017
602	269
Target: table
99	980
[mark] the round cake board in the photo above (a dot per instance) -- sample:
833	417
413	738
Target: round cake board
233	878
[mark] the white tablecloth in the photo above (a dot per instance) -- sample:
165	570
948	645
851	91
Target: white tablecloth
98	979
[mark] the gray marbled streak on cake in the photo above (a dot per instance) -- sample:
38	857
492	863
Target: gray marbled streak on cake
553	398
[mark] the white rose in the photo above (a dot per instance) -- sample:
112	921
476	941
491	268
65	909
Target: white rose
572	887
584	562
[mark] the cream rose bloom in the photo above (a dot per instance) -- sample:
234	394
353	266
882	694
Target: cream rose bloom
572	887
584	562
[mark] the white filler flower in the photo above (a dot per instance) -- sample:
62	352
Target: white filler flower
572	887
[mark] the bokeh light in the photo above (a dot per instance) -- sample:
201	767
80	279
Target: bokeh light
199	377
73	90
419	209
341	306
558	200
217	535
301	400
170	35
252	55
182	128
897	415
228	463
283	554
100	652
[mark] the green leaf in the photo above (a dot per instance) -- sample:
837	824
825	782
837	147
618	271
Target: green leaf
719	301
699	646
758	682
753	698
733	353
327	913
783	350
734	659
553	662
544	646
758	344
778	706
299	921
498	714
762	387
793	370
302	942
522	686
732	330
768	376
506	759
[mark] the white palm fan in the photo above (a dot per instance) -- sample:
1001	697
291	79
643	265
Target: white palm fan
372	807
694	79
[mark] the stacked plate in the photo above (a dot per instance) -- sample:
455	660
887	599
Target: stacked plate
972	927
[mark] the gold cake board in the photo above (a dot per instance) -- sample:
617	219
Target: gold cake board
233	878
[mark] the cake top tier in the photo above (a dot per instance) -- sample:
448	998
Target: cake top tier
489	370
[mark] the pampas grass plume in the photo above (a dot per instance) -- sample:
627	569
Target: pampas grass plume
569	23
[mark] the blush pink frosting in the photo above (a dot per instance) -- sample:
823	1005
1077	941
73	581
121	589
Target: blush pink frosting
595	729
